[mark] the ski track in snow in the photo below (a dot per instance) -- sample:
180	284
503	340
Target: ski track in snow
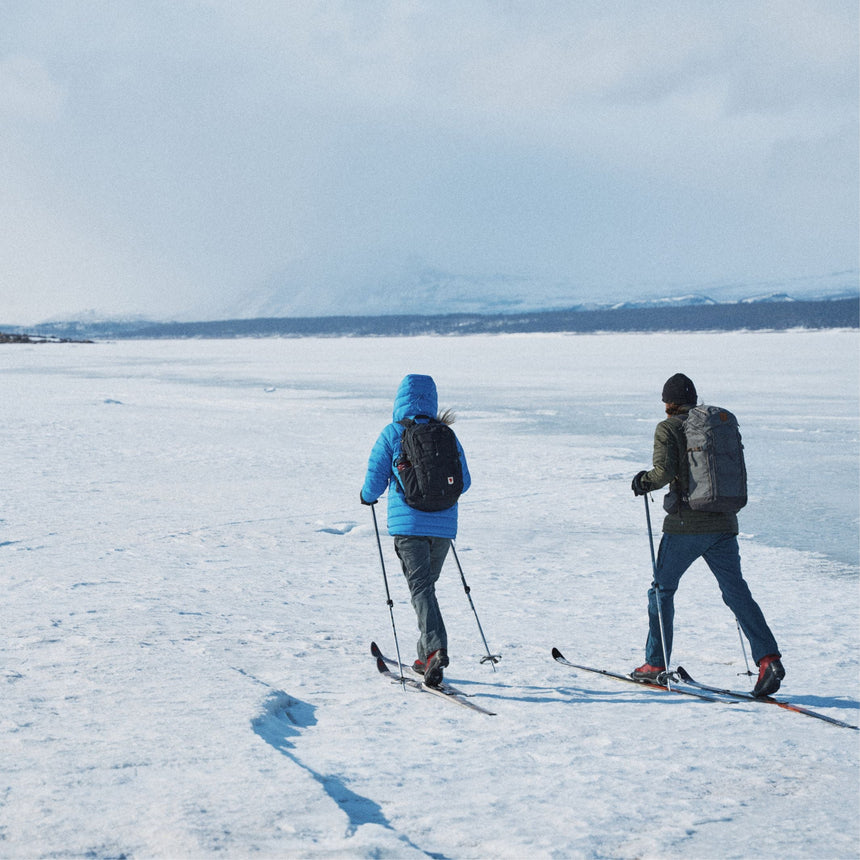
191	587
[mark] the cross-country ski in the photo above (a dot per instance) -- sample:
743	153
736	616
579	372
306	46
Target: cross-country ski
653	686
770	700
419	686
404	669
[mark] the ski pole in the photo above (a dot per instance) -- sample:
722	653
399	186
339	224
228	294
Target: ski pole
744	650
657	588
388	596
490	658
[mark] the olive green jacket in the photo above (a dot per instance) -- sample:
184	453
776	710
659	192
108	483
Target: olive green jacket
670	468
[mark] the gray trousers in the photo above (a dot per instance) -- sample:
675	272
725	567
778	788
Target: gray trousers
421	559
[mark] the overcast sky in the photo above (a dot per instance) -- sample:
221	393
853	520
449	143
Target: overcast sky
166	158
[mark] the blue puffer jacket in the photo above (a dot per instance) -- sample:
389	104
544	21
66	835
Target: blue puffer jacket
415	396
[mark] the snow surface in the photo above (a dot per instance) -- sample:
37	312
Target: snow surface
191	586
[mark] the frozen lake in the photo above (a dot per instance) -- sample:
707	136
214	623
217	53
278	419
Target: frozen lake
190	586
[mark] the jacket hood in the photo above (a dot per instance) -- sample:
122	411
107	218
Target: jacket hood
416	395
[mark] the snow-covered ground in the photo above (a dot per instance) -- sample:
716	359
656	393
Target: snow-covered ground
190	587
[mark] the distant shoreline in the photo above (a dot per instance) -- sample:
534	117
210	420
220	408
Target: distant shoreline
756	316
6	337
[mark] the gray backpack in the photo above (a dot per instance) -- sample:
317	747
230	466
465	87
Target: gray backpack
715	459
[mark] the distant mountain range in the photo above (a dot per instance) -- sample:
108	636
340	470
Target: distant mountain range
777	311
693	299
397	287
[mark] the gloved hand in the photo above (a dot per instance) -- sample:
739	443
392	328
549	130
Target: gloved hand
364	502
637	485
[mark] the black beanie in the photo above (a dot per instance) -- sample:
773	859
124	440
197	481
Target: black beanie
679	389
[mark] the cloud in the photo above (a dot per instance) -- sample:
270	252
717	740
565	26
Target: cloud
27	91
166	158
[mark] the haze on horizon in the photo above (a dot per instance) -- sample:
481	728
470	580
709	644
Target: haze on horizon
198	158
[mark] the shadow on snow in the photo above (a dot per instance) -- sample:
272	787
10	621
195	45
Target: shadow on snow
279	725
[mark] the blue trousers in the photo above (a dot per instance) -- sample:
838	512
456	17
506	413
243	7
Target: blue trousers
421	559
721	554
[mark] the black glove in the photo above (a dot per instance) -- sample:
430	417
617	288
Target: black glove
363	502
638	486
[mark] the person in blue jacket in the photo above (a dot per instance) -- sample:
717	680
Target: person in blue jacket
421	538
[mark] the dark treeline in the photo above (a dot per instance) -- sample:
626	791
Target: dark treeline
823	314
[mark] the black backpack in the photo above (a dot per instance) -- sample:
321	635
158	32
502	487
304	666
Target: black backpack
429	468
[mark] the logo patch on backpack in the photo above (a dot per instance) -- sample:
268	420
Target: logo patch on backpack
429	468
715	461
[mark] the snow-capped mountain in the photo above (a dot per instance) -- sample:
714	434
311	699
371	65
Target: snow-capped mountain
420	289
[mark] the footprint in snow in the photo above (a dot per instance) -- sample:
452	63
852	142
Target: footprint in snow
281	718
338	528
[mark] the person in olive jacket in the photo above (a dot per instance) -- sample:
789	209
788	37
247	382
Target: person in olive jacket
689	535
